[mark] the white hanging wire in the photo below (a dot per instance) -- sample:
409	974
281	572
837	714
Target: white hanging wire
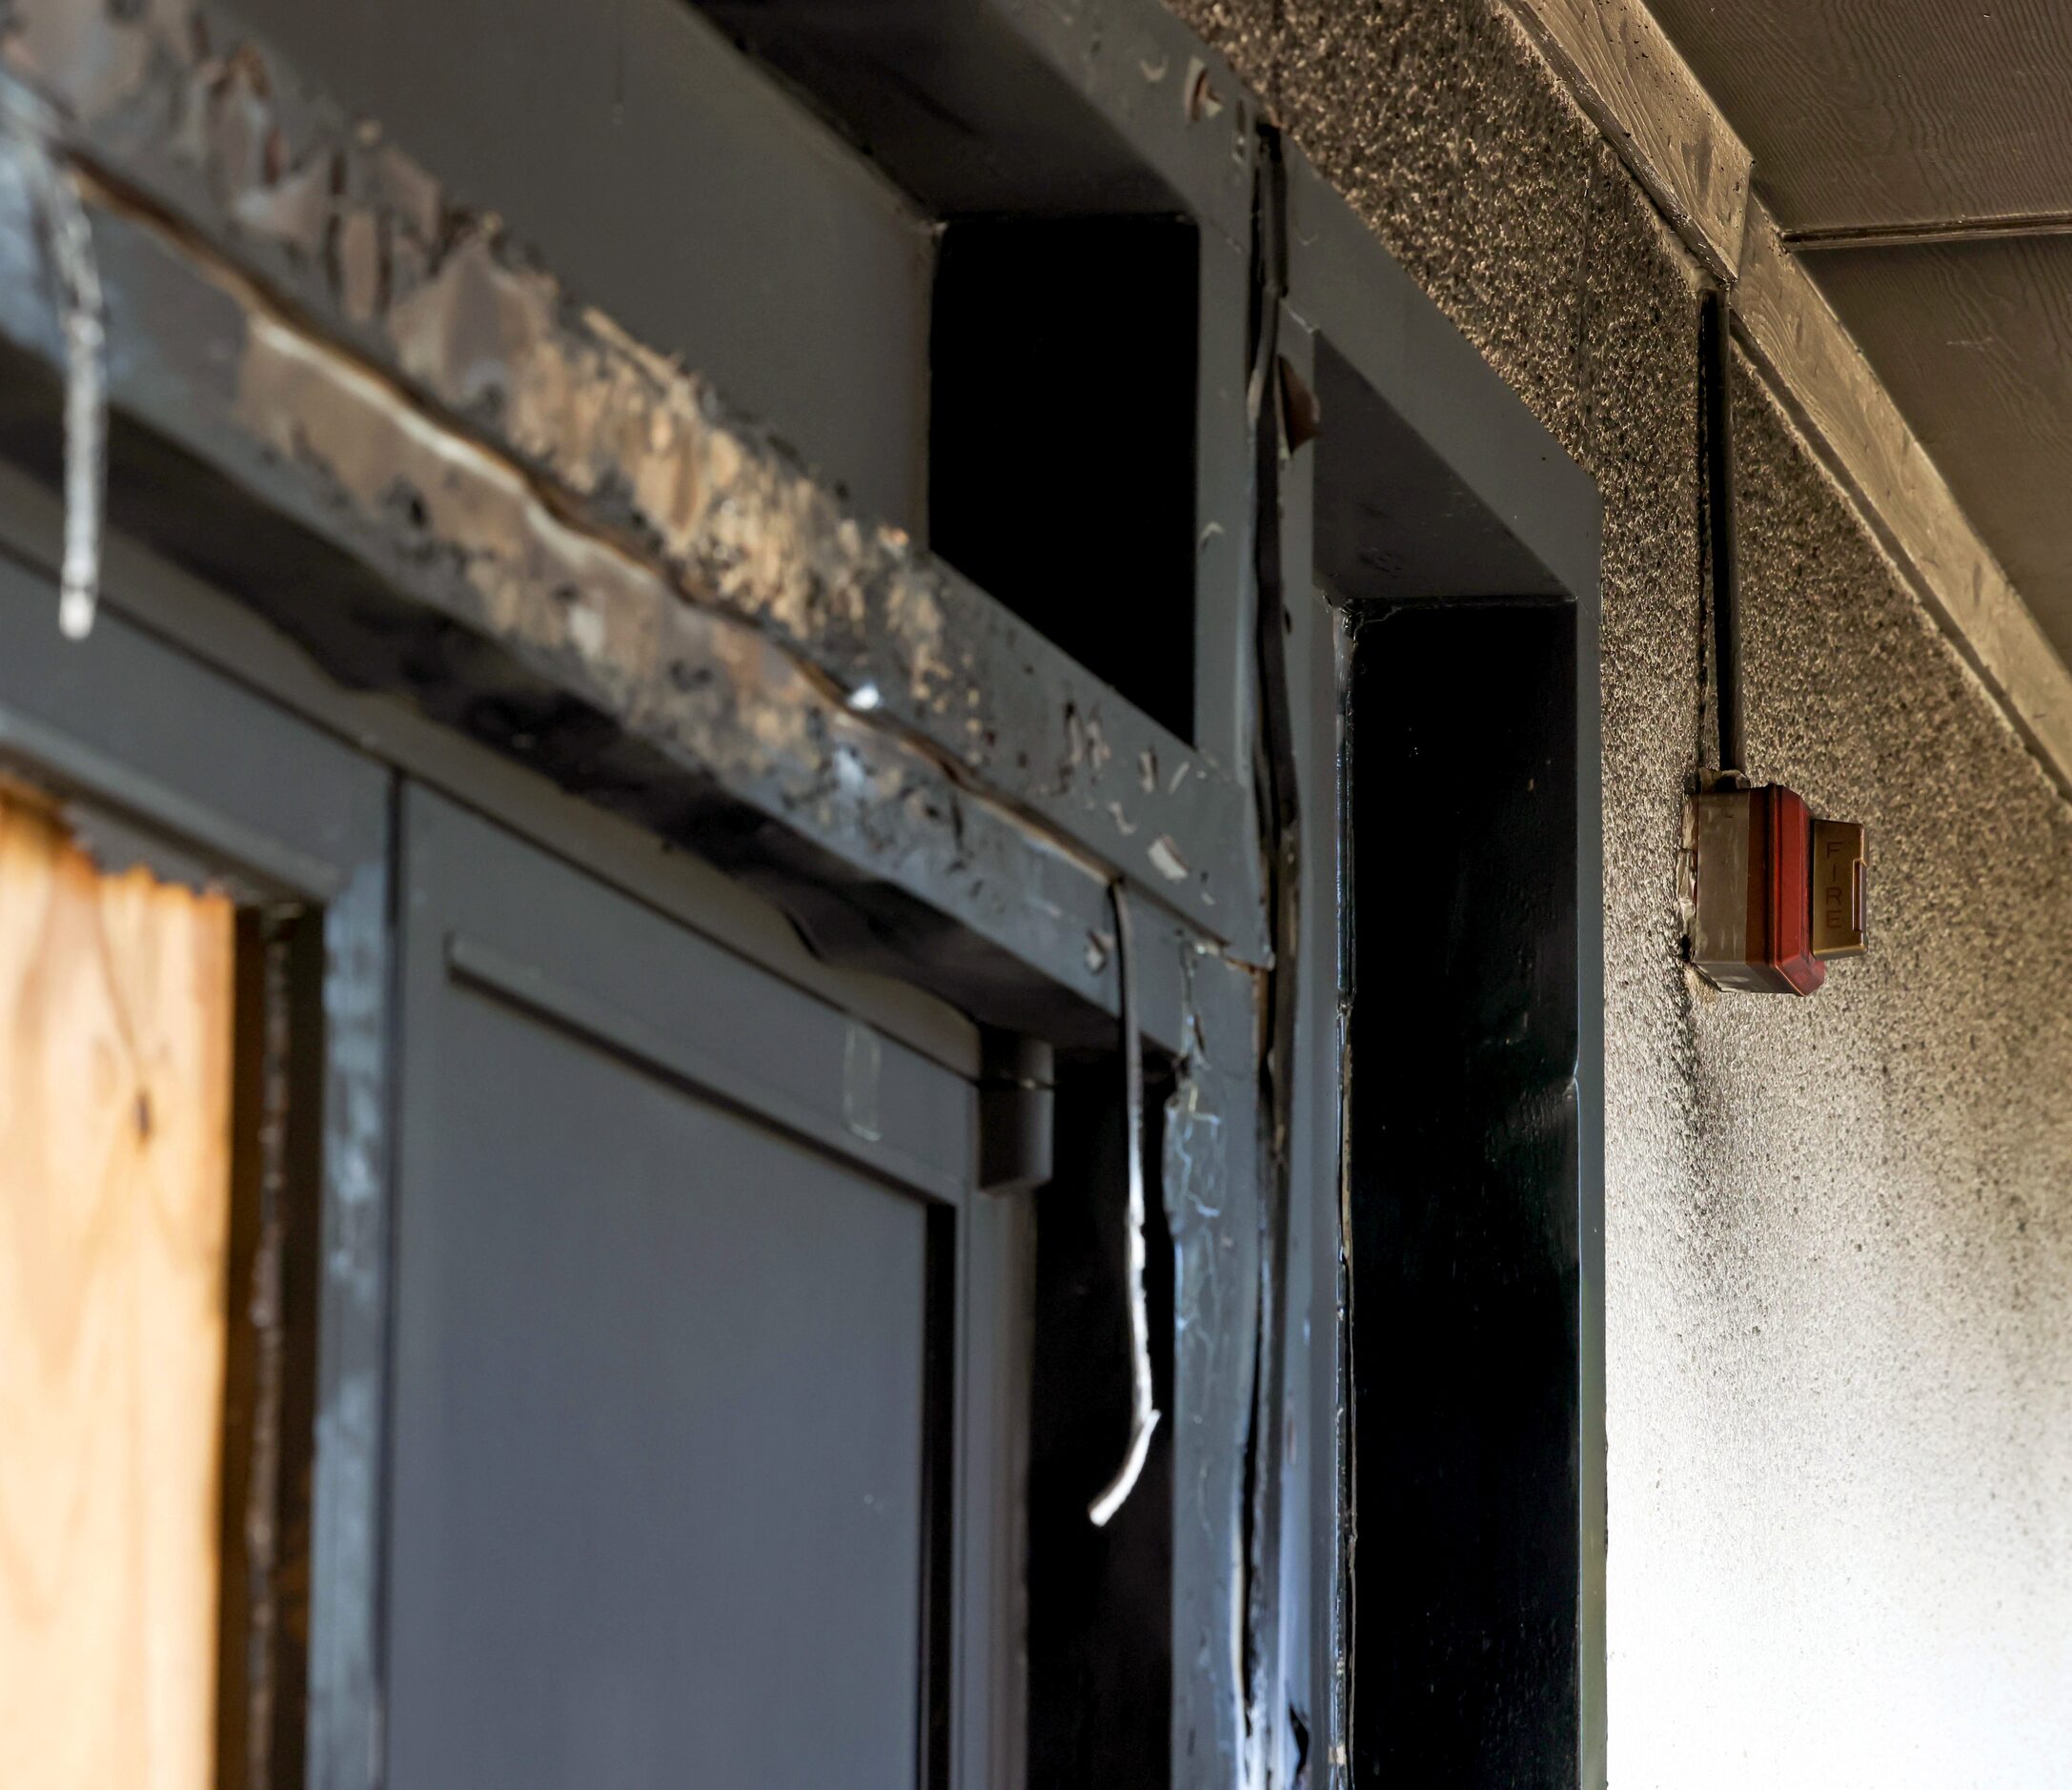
1142	1412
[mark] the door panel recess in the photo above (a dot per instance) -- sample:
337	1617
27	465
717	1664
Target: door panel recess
676	1282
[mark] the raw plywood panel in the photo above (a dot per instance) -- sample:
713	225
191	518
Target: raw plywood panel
114	1194
1974	341
1890	112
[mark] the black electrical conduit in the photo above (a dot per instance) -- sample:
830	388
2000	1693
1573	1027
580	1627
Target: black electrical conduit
1716	406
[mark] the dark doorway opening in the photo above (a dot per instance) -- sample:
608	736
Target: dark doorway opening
1464	1165
1062	437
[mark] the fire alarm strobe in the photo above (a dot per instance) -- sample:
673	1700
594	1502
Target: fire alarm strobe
1776	891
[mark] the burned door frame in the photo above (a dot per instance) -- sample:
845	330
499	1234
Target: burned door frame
1432	492
926	786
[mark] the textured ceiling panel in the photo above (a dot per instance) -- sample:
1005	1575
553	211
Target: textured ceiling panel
1870	113
1974	341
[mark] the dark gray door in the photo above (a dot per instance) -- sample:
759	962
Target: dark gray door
671	1309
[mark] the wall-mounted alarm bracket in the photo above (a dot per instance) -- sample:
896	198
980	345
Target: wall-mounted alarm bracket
1773	891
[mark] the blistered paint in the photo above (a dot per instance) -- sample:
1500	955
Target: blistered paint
1143	1412
211	125
1210	1178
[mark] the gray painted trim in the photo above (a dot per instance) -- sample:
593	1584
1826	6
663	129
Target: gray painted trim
1223	571
1348	289
1211	1178
1171	98
117	719
252	859
1313	1632
1345	288
1104	107
688	1046
996	1324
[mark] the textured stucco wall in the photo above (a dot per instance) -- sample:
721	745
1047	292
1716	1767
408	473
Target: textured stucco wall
1839	1232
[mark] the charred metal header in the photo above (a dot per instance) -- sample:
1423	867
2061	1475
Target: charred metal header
171	102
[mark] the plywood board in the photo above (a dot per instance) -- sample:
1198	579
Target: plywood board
116	1002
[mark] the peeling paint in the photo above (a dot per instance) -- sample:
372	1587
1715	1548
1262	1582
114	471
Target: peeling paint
1210	1191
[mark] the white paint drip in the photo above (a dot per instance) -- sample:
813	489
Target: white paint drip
69	243
1142	1412
67	240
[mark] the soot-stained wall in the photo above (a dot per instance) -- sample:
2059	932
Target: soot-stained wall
1839	1232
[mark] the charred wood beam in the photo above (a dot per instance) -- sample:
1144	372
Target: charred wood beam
1636	88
